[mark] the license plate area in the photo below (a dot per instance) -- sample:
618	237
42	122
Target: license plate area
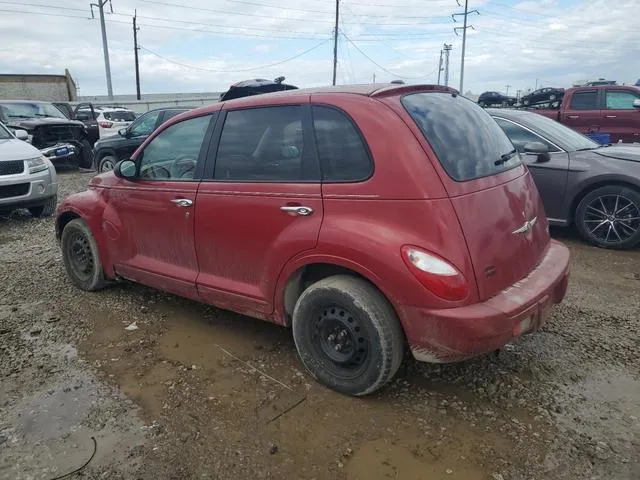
533	318
62	151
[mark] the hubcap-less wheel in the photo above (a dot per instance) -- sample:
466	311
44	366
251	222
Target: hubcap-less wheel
342	339
106	165
81	257
612	219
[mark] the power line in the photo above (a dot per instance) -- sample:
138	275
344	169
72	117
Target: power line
45	14
193	67
22	4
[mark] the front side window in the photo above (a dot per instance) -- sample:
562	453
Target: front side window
520	136
341	150
584	101
620	99
173	154
264	145
144	125
468	143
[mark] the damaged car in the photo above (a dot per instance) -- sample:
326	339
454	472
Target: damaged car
62	141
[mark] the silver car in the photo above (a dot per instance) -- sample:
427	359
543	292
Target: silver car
27	178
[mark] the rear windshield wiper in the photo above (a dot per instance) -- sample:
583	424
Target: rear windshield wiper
506	157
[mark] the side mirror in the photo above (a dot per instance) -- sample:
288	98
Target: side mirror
636	103
122	132
21	135
125	169
539	149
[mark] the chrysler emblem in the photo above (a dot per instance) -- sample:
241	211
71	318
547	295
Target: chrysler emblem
526	226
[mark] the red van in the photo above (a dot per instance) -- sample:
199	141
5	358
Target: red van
370	218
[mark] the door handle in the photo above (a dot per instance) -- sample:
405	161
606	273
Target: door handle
297	210
574	116
182	202
610	116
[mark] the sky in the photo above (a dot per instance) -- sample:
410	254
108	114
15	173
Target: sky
210	44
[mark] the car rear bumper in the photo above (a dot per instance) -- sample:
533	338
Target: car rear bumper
451	335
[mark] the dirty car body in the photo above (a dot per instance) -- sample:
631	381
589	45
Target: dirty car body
345	216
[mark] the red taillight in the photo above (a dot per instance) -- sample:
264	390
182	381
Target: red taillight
436	274
106	124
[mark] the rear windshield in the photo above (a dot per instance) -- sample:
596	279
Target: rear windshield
467	141
120	116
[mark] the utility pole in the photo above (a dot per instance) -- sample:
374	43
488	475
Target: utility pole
440	66
105	48
374	77
507	89
464	36
135	51
335	42
447	49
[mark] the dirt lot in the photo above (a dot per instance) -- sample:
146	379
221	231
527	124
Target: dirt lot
200	393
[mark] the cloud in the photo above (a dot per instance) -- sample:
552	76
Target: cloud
209	45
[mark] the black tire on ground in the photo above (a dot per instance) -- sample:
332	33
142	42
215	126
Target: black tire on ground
45	210
348	335
86	154
106	164
81	257
609	217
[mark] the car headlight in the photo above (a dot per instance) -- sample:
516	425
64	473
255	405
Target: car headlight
38	164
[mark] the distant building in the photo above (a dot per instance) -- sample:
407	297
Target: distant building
51	88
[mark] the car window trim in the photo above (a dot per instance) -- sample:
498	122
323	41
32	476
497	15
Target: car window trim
307	135
202	155
359	133
560	149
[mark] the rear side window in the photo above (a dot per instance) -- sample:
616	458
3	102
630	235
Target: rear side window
341	150
584	101
120	116
468	142
264	145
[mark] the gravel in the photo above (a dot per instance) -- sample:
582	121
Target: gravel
191	392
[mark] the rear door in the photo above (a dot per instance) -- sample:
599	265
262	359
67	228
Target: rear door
259	205
620	118
493	194
583	111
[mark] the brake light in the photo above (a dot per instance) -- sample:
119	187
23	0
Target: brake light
105	124
436	274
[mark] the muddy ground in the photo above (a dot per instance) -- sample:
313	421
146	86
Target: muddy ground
199	393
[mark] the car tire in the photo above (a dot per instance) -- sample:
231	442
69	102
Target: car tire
86	154
81	256
598	209
525	102
45	210
482	104
348	335
106	164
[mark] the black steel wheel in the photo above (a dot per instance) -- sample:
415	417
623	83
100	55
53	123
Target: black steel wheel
609	217
81	257
348	335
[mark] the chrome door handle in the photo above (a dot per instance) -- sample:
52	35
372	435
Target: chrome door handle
610	116
298	210
574	116
182	202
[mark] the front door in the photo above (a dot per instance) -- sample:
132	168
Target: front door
258	207
153	229
550	177
620	118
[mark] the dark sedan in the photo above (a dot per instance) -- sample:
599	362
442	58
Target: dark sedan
542	95
594	187
488	99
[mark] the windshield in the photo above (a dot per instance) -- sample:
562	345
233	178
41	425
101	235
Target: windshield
4	133
468	142
30	110
570	139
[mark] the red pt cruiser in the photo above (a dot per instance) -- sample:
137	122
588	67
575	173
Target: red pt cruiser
370	218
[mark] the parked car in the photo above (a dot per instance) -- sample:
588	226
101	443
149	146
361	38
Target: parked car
63	141
255	86
358	215
542	95
614	110
86	116
488	99
109	119
110	150
27	178
582	183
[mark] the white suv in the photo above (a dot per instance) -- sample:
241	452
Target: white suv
110	120
27	178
